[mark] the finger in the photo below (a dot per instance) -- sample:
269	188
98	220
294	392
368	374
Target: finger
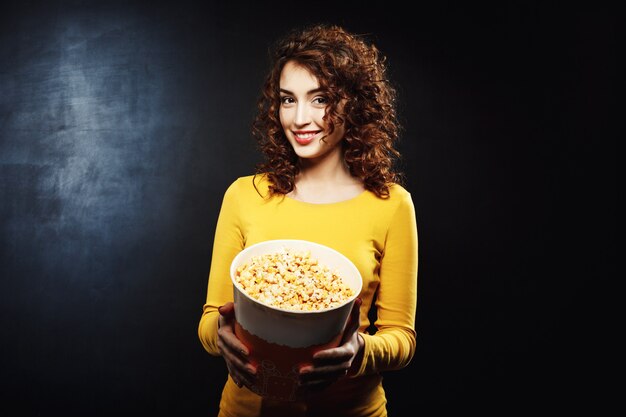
233	375
248	380
236	356
332	357
227	314
314	380
227	309
318	374
228	339
241	378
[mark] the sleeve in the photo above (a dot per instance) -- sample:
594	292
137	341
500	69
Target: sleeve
393	345
228	242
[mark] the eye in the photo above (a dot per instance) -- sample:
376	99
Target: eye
286	100
320	100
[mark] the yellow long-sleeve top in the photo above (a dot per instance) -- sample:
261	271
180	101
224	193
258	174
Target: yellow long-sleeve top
378	235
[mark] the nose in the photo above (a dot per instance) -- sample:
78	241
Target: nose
303	116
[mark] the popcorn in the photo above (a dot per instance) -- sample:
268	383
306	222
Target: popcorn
292	281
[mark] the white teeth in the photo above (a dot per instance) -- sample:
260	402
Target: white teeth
305	135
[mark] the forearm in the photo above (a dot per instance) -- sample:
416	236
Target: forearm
207	329
387	350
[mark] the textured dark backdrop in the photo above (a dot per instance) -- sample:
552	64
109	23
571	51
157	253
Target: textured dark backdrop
122	123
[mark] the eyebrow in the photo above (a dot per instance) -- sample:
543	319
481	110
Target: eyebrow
308	93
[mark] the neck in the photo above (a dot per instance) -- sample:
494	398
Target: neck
329	167
325	180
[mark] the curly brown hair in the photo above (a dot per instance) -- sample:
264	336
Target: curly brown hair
346	67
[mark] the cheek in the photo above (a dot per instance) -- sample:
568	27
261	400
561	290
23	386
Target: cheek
318	117
283	116
338	134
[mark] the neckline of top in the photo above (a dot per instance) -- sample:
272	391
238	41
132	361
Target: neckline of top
348	200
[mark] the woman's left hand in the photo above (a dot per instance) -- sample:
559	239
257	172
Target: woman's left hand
329	365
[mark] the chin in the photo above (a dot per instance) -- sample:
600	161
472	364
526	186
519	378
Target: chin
307	155
310	151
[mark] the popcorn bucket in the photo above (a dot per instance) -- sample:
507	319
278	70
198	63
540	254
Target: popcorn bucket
281	341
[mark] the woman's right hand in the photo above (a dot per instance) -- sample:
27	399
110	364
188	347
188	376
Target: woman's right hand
232	350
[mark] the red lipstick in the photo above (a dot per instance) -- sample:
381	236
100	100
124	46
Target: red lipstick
304	137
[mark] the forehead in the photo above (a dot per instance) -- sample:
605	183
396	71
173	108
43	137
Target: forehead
295	77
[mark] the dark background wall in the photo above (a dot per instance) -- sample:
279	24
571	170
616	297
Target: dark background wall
122	124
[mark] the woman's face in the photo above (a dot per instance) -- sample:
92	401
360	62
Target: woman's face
302	109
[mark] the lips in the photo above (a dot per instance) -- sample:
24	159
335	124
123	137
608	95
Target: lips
305	137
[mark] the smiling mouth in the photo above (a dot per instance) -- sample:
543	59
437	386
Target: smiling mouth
304	138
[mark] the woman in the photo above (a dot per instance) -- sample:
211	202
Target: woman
326	124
